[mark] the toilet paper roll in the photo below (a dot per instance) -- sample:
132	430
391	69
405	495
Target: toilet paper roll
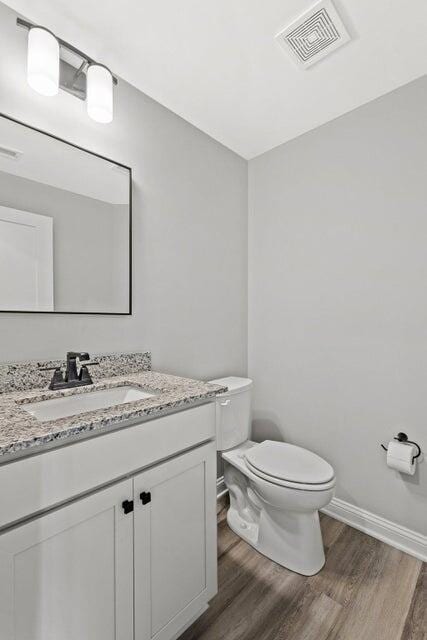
400	456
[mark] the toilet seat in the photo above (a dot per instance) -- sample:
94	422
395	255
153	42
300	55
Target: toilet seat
290	466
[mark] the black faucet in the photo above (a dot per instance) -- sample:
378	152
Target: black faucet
72	377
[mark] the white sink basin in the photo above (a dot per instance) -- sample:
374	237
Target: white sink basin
82	402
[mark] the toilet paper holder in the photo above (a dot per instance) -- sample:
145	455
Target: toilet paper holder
402	437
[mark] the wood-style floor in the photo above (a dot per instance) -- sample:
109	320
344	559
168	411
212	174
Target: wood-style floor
366	591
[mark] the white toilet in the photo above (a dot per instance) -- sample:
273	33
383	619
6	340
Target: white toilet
276	489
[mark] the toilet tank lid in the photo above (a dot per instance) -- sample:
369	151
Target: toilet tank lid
234	384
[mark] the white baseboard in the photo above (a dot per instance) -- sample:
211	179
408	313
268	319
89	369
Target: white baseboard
389	532
221	489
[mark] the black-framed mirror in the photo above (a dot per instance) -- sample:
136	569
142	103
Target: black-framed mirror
65	226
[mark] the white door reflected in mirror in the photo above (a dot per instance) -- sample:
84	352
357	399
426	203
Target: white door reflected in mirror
26	261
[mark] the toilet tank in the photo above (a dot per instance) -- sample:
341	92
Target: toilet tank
233	412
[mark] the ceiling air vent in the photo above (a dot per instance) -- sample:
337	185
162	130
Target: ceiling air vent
314	35
10	154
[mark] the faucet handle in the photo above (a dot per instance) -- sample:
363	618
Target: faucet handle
84	375
57	378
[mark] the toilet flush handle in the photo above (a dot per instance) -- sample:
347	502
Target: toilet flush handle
225	403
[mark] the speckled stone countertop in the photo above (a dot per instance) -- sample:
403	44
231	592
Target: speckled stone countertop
22	434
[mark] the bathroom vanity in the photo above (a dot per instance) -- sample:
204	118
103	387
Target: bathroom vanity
108	518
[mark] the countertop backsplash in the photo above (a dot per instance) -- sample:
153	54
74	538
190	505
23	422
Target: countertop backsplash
26	376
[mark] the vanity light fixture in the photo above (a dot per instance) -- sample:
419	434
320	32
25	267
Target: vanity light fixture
54	64
99	98
43	61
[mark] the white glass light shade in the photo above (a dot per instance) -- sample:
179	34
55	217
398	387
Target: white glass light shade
99	93
43	61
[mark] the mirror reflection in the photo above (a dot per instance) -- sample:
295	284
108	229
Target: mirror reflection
64	226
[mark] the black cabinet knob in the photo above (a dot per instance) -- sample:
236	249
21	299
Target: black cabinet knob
145	497
127	506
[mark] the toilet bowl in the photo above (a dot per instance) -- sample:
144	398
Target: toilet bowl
276	489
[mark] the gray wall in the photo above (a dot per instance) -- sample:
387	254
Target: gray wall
90	244
190	231
337	296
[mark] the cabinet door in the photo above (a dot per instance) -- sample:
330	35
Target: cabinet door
175	542
68	575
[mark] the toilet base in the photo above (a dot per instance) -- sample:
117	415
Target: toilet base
280	523
293	540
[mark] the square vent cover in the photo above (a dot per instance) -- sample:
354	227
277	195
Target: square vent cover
314	35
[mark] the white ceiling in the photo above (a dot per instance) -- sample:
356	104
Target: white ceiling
217	63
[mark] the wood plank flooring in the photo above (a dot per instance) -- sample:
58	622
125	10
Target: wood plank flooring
366	591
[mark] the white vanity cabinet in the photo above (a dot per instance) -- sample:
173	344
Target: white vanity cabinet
133	560
175	542
68	575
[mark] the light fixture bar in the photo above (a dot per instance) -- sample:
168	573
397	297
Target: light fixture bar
87	59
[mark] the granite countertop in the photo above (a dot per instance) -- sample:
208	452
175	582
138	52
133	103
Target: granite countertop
22	434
